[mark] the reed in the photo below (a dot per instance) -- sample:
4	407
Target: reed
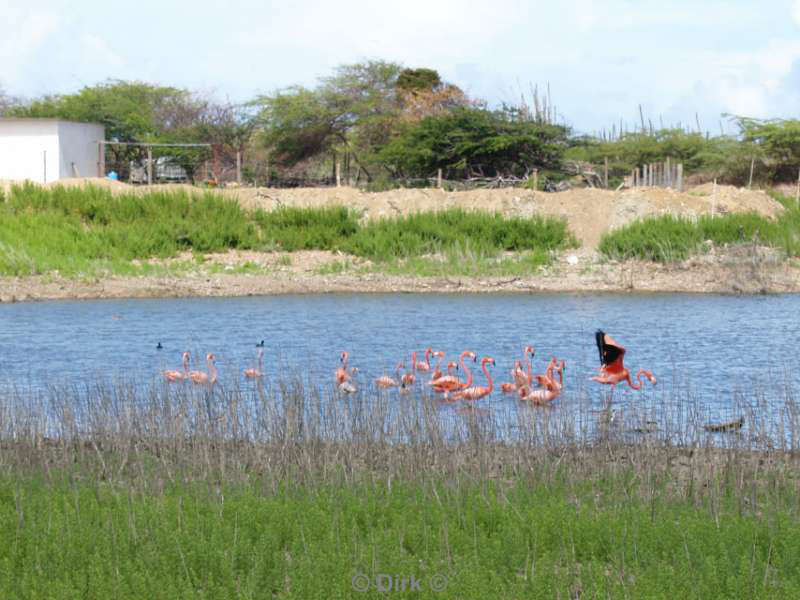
285	488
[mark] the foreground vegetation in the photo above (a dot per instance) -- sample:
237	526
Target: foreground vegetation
124	491
668	239
86	231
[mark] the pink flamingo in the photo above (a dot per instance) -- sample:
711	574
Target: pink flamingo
255	373
410	378
385	381
178	375
343	378
446	382
437	369
202	376
422	367
547	380
522	377
551	388
612	369
478	392
508	388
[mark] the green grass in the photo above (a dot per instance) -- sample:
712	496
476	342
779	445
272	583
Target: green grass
89	231
527	539
671	239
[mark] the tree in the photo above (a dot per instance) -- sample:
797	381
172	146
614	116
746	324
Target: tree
353	111
778	139
130	111
7	103
416	80
472	141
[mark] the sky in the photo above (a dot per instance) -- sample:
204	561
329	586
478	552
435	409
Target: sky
681	60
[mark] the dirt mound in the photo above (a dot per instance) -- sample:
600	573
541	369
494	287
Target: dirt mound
590	212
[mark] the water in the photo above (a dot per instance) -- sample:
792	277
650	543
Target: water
707	349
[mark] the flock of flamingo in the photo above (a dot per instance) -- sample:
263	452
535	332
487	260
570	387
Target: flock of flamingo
539	389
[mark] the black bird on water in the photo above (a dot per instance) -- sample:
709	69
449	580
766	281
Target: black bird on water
260	345
159	346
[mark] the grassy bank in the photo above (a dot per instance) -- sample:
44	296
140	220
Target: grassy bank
283	491
481	539
87	231
670	239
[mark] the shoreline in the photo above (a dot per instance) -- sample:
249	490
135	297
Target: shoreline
709	276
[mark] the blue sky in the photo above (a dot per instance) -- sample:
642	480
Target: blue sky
600	58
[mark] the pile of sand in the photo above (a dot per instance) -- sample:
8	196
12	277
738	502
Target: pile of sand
590	212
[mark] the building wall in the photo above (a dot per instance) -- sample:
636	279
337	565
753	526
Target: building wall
29	149
78	145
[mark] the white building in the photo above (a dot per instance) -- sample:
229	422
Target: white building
45	150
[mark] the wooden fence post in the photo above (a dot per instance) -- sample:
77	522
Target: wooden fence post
238	167
535	180
679	177
605	172
439	178
101	159
338	173
668	169
752	165
149	165
797	192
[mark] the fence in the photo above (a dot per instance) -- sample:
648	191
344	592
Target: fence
666	174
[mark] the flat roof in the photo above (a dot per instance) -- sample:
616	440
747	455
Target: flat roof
49	119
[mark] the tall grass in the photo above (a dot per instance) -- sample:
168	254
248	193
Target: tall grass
80	230
670	239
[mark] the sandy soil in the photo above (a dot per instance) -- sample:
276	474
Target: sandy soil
749	270
589	213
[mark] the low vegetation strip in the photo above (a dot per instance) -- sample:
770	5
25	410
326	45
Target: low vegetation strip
480	539
83	230
670	239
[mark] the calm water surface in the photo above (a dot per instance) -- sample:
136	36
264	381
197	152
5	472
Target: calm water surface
704	348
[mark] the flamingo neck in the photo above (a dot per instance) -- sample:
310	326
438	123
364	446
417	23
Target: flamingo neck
213	370
528	363
466	369
428	357
488	378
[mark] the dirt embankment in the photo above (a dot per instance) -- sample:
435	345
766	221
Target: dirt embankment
589	213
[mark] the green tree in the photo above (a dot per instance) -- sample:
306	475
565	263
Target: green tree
354	110
472	141
130	111
778	140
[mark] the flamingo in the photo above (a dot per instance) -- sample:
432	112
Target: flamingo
612	371
508	388
437	368
478	392
410	378
449	382
385	381
255	373
343	378
522	377
423	367
547	380
202	376
446	382
341	372
178	375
